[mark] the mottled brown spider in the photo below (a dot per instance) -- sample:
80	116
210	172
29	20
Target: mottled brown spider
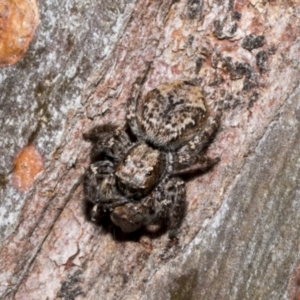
136	170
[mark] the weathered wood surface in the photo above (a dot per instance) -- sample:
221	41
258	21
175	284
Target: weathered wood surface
239	239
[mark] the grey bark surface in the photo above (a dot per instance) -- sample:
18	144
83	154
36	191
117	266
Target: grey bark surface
239	239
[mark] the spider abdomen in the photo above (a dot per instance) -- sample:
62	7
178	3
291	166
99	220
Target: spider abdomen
171	114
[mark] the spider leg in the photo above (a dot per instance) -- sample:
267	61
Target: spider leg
109	142
102	167
166	202
115	202
103	206
106	198
203	138
167	205
136	93
100	133
173	204
189	158
204	163
131	116
92	177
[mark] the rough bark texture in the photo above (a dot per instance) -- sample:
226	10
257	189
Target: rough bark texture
239	239
43	90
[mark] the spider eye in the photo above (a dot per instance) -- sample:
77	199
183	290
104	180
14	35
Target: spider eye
148	173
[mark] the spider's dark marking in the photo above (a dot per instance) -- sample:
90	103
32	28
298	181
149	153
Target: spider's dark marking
138	183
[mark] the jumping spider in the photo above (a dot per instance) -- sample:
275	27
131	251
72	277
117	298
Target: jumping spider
137	182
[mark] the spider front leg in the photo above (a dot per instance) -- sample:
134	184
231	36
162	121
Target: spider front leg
189	158
100	190
133	215
110	142
93	176
165	204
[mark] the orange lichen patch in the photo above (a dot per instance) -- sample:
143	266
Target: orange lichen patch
28	163
18	22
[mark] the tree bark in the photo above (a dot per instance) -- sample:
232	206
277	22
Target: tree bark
239	239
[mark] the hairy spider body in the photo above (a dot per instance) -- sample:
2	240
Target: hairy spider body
139	183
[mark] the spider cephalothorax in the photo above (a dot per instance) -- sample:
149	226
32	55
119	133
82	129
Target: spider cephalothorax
140	170
138	181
